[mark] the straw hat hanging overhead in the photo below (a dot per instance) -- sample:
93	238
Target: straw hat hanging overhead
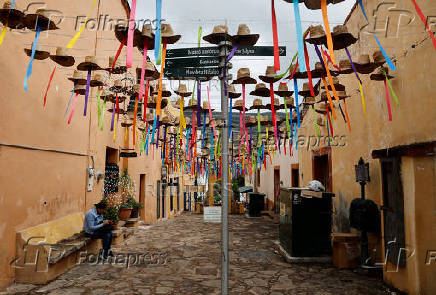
41	18
342	38
115	66
232	92
13	18
261	90
146	37
89	64
243	77
78	78
316	4
151	73
219	34
63	57
168	35
183	91
121	33
244	36
165	92
379	74
258	105
316	35
283	90
39	54
270	75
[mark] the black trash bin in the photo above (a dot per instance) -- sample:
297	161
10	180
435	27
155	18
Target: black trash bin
256	204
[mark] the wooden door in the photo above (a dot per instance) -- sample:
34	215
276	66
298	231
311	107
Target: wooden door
142	196
321	170
276	190
393	211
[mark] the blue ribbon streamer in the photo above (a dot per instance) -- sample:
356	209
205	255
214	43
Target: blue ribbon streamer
29	66
388	60
363	10
230	117
71	97
296	102
301	60
296	138
158	28
328	132
154	128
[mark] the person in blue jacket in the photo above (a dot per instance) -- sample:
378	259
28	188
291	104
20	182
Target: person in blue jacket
96	227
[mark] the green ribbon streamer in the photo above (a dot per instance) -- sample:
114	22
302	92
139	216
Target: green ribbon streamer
390	87
159	60
104	108
287	70
192	96
314	119
288	128
200	29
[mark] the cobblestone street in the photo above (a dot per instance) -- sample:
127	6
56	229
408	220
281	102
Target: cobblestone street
189	263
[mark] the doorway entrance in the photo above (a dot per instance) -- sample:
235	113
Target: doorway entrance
322	167
277	189
295	181
142	196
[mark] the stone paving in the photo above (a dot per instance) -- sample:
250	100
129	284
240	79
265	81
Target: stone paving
182	256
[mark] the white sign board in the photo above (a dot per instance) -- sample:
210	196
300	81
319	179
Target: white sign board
212	214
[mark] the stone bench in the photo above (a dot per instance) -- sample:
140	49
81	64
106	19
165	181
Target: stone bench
46	251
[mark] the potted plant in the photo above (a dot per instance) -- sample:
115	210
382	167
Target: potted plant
111	213
135	207
127	188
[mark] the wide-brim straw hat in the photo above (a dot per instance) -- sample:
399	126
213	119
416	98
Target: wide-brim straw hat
258	105
277	105
114	109
261	90
239	106
40	18
183	91
78	77
63	57
152	102
97	80
145	36
346	67
232	92
80	89
13	18
107	95
118	68
289	103
39	54
283	90
165	92
206	107
90	63
127	123
379	58
244	36
168	35
379	75
336	83
316	4
341	95
193	106
264	120
309	100
321	108
150	72
364	65
166	121
218	35
270	75
342	38
306	90
121	33
316	35
243	77
250	121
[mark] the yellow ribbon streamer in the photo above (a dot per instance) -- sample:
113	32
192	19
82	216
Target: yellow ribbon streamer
3	34
82	28
363	99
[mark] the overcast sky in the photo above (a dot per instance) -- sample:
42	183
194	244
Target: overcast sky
186	16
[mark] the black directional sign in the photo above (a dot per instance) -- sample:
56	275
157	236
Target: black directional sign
214	51
192	62
191	72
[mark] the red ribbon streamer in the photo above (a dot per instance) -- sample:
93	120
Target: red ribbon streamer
388	101
144	62
424	21
118	53
273	110
275	38
147	86
294	71
48	86
330	121
309	74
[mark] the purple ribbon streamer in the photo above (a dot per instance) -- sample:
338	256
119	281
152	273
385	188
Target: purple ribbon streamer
198	104
320	57
165	142
158	129
88	80
232	53
113	117
352	65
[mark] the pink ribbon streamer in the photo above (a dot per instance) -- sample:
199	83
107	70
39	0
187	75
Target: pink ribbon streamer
130	35
73	108
144	62
210	114
243	114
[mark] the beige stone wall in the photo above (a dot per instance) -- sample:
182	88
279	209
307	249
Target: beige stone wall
39	186
412	122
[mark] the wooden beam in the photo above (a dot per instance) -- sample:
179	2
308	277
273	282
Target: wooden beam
411	150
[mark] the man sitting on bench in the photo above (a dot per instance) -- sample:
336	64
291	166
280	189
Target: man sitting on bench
96	227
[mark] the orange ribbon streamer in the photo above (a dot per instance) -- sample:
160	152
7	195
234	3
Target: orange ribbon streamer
329	77
346	116
329	97
327	30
